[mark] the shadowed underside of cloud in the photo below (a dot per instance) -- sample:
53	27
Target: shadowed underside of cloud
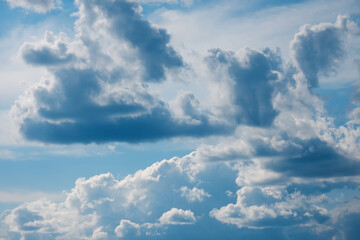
155	125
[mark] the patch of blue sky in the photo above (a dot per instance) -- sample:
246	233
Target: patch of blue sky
61	166
337	102
13	17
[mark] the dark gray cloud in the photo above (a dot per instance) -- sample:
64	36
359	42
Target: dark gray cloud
318	50
252	87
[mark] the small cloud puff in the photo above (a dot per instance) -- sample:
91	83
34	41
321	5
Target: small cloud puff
177	217
194	195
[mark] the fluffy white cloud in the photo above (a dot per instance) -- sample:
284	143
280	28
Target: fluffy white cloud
138	206
127	229
177	217
40	6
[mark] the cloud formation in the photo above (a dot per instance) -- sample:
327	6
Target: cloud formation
40	6
97	92
271	177
149	205
318	50
252	76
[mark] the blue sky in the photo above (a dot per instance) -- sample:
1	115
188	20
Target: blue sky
173	119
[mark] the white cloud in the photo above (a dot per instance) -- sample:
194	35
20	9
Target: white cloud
194	195
177	217
40	6
283	158
127	229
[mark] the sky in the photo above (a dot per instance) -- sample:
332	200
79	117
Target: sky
179	119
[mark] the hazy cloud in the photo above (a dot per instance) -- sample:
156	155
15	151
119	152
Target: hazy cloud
40	6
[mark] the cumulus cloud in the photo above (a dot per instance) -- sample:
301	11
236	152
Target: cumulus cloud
52	50
252	75
318	50
137	206
125	22
95	90
127	229
40	6
282	138
178	217
269	206
193	195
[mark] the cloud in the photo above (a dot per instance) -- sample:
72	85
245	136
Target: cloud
126	23
282	139
127	229
53	50
39	6
355	100
318	50
177	217
96	91
250	87
194	195
137	206
269	206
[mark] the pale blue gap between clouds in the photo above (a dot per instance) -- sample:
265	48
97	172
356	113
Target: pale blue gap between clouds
255	201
